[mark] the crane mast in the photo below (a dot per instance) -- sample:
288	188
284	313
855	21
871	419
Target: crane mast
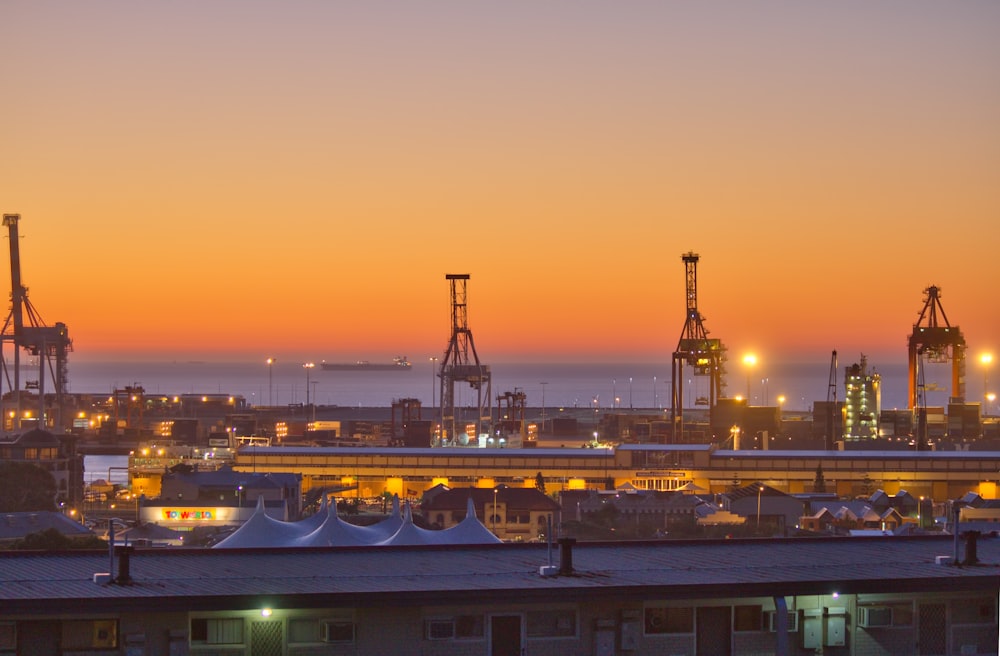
935	340
461	364
694	348
51	344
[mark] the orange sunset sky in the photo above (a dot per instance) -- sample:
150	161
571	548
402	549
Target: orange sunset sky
241	179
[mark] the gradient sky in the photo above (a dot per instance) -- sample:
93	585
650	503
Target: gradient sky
242	179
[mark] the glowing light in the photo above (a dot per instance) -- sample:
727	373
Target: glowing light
265	612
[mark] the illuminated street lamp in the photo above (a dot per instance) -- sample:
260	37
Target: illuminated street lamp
759	491
749	361
308	366
990	398
986	359
433	367
270	382
493	519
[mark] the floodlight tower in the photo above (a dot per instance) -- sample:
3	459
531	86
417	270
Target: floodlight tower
50	344
706	356
461	364
936	341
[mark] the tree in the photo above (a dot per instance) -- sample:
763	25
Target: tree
540	482
52	540
26	488
819	485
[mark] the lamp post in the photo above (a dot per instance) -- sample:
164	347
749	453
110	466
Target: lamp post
270	382
308	366
990	398
749	361
543	384
986	359
629	392
493	517
759	491
433	362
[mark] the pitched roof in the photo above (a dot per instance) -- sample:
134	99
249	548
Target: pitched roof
16	525
518	498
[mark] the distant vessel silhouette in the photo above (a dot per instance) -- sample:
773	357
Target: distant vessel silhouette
399	363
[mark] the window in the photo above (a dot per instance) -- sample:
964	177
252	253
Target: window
341	631
973	611
217	631
551	623
304	630
669	620
772	620
89	634
439	629
459	627
315	630
747	618
886	614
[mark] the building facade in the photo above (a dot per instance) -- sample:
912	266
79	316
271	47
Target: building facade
839	597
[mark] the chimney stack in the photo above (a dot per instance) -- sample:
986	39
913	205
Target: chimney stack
566	556
124	554
971	548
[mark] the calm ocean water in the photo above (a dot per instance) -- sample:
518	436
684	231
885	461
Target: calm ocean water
562	384
565	385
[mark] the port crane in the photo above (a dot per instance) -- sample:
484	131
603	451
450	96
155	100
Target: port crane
25	330
934	340
461	364
831	403
705	355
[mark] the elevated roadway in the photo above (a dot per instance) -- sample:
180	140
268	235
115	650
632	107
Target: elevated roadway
410	471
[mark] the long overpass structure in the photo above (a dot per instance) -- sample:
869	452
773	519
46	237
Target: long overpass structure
409	471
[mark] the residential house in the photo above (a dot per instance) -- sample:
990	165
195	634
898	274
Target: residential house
512	513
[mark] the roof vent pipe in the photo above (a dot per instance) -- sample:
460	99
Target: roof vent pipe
566	556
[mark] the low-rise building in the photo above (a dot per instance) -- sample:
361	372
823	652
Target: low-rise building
511	513
837	596
56	455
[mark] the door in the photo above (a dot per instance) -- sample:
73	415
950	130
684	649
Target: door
932	636
265	638
505	635
713	631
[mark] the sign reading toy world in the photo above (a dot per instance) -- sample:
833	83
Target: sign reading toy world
189	514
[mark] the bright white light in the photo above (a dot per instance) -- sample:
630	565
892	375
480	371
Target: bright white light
265	612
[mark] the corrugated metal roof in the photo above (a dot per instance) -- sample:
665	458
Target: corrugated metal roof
365	576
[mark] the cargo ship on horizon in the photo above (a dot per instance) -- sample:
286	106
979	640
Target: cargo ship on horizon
399	363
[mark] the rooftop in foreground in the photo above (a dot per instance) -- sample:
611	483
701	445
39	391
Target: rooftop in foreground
193	579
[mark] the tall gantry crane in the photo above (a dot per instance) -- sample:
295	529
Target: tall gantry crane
831	403
461	364
50	344
705	355
934	340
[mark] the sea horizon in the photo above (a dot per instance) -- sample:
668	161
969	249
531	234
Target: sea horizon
554	384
